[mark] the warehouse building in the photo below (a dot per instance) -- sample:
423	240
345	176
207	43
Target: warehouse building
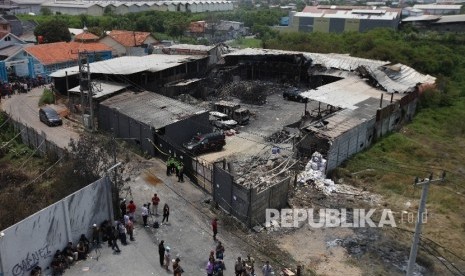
338	19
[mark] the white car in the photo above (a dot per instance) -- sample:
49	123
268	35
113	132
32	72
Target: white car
221	120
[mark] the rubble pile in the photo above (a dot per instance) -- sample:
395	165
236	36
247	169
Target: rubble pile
261	172
186	98
315	173
278	137
250	92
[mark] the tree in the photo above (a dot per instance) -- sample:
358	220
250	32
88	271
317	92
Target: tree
55	30
92	155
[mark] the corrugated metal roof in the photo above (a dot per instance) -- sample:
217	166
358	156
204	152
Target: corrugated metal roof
421	18
131	64
402	81
346	93
102	88
11	50
451	18
437	7
192	47
151	108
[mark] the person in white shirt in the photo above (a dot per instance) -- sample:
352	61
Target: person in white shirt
267	269
145	214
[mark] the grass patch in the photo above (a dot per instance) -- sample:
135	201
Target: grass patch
47	97
247	43
433	142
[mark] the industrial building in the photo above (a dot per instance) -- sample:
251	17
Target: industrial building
434	9
338	19
97	8
438	23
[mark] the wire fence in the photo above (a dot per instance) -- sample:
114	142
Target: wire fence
38	141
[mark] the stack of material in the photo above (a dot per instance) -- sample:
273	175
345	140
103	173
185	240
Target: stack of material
315	172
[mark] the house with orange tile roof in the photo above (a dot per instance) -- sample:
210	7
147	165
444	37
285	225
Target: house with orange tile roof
128	43
86	37
44	59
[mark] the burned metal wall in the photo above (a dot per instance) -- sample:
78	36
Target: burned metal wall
273	197
349	143
269	67
34	240
248	205
132	131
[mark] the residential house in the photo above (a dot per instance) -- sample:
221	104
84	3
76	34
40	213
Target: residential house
128	43
86	37
44	59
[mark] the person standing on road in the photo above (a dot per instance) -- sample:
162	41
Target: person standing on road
166	213
122	233
167	258
181	173
123	207
267	269
161	251
209	267
155	202
132	210
177	269
238	267
215	228
114	238
145	214
130	229
220	251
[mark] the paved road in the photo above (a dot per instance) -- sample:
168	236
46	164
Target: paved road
24	108
188	233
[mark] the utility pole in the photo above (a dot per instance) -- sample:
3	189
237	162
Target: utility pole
85	85
67	89
421	210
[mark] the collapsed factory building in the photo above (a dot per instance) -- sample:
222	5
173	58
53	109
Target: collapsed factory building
299	103
350	102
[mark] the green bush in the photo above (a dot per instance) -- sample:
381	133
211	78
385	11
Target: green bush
47	97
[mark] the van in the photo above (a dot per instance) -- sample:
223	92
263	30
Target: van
206	142
234	111
221	120
49	117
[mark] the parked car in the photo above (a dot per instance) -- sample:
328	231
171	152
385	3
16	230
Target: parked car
294	94
49	117
206	142
221	120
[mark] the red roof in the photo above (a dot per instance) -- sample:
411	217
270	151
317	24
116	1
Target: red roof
59	52
86	37
129	38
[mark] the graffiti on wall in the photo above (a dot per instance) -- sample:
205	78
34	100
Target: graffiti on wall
31	260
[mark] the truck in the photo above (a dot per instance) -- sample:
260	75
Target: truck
234	111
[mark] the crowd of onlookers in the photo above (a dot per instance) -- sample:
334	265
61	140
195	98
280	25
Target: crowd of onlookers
16	85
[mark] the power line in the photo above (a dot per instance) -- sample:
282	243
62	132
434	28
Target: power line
442	260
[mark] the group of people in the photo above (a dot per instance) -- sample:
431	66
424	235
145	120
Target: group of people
63	259
242	267
165	259
20	85
174	166
129	210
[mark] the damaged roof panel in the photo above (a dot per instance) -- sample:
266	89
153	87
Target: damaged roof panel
344	93
402	81
151	108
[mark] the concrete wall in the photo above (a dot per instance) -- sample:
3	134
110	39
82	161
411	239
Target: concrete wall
34	240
